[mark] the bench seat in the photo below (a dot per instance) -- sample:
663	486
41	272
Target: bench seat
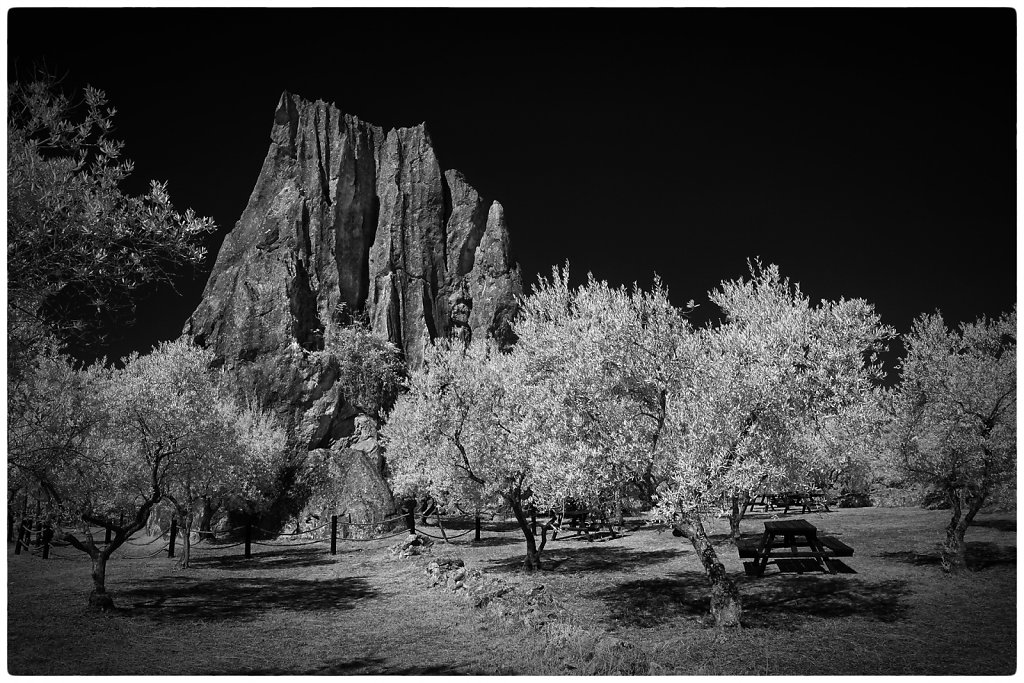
838	548
833	548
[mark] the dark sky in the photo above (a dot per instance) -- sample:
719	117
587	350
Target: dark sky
870	153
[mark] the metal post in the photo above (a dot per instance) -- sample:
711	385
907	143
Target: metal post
334	534
174	533
248	539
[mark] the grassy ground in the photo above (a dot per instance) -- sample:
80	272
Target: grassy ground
634	604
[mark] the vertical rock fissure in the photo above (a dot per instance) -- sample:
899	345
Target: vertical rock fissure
325	187
414	250
369	220
446	215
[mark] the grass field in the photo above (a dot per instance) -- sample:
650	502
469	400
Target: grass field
633	604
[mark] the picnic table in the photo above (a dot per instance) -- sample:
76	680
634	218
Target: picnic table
808	501
791	539
576	519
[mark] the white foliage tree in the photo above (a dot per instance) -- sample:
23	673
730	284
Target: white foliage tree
957	410
735	423
161	427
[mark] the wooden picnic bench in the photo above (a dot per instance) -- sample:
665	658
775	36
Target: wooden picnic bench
808	501
576	520
791	538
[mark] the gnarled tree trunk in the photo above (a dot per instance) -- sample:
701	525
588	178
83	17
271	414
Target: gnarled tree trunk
726	604
186	542
739	508
206	520
965	506
98	597
533	552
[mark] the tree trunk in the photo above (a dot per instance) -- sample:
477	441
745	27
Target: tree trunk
954	550
206	521
739	508
618	507
532	560
726	604
186	542
99	598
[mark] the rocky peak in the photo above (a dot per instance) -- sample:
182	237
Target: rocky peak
347	219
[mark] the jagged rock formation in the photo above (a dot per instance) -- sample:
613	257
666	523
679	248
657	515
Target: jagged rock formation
347	219
347	482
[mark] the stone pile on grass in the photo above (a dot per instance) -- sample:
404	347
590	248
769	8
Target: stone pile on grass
411	546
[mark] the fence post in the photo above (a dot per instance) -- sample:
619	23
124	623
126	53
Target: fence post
174	533
334	534
248	539
477	536
106	536
347	533
47	537
410	516
21	535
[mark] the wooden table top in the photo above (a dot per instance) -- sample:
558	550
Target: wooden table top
790	526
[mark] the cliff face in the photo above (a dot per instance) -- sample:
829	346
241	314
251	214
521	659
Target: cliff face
348	218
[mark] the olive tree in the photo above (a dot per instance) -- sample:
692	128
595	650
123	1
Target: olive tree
609	357
471	429
957	410
162	427
735	421
222	448
78	246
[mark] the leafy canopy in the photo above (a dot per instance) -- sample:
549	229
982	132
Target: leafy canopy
957	404
78	247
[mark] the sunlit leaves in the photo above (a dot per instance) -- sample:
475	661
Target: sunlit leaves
101	441
77	245
774	371
957	404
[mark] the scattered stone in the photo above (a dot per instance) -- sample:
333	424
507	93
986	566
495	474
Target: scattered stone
412	545
447	572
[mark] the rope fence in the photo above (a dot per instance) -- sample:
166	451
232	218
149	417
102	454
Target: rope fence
37	536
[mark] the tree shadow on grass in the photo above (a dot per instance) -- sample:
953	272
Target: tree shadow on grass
363	666
652	603
495	541
980	555
243	598
997	524
589	558
283	558
782	604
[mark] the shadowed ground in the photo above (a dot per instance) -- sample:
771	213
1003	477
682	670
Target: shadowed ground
635	604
